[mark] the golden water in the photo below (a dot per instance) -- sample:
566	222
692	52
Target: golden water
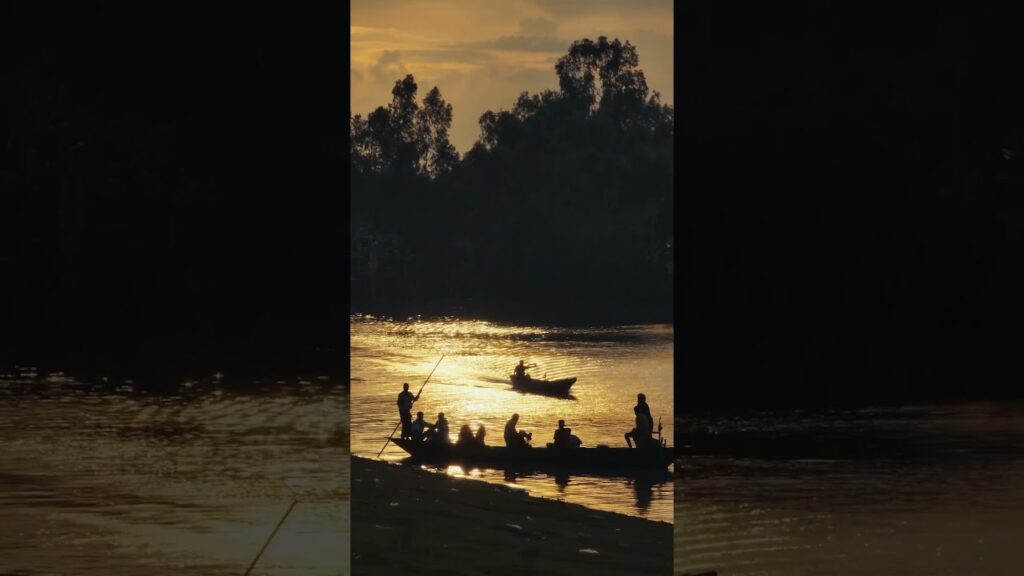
940	490
108	478
471	386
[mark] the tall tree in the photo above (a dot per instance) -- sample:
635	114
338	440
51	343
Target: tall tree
433	122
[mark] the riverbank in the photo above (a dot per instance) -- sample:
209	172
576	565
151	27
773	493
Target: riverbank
409	521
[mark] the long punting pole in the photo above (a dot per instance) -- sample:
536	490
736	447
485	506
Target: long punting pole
417	396
272	534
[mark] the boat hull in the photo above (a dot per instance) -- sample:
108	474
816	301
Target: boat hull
499	457
550	387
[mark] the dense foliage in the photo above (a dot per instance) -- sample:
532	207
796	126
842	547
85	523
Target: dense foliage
562	210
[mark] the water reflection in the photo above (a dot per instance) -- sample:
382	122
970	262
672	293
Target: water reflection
645	486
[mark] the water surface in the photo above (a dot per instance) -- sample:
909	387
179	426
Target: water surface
109	478
915	490
471	386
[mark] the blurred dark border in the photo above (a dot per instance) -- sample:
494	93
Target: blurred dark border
851	210
173	194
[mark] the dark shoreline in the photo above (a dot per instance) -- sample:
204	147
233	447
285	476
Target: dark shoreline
407	521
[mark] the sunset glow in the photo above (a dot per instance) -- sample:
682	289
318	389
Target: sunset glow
482	55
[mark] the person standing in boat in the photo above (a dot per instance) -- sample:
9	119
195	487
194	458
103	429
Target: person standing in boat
641	434
516	438
405	402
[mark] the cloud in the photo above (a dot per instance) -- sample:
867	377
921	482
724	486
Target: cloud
523	44
460	55
389	67
576	8
533	77
356	75
539	26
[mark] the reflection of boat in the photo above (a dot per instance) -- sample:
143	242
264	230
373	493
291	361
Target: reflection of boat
591	459
552	387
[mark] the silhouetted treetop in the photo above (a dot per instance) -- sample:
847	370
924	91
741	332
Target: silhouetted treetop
405	139
613	63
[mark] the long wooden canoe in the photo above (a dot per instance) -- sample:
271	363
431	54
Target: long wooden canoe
594	459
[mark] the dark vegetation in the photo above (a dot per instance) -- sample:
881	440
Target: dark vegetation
853	229
171	189
561	212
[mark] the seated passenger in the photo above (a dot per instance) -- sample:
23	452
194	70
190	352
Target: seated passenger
563	436
439	430
465	437
516	438
417	428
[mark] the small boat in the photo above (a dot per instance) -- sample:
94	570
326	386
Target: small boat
601	458
552	387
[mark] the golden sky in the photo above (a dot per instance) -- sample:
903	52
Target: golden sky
482	53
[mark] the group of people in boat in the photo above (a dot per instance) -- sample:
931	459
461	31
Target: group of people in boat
418	430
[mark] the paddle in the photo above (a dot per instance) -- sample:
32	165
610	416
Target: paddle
417	397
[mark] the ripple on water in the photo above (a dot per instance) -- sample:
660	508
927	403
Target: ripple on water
116	481
927	511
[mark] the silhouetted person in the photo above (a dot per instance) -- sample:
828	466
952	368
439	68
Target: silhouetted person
481	434
516	438
417	428
520	369
439	430
465	437
641	434
563	436
405	401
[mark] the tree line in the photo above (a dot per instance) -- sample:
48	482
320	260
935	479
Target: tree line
561	211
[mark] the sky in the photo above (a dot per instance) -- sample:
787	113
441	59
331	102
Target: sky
483	54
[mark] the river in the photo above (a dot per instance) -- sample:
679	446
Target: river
915	490
471	386
111	478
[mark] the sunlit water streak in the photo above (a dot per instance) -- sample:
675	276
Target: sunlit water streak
471	386
110	479
935	491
